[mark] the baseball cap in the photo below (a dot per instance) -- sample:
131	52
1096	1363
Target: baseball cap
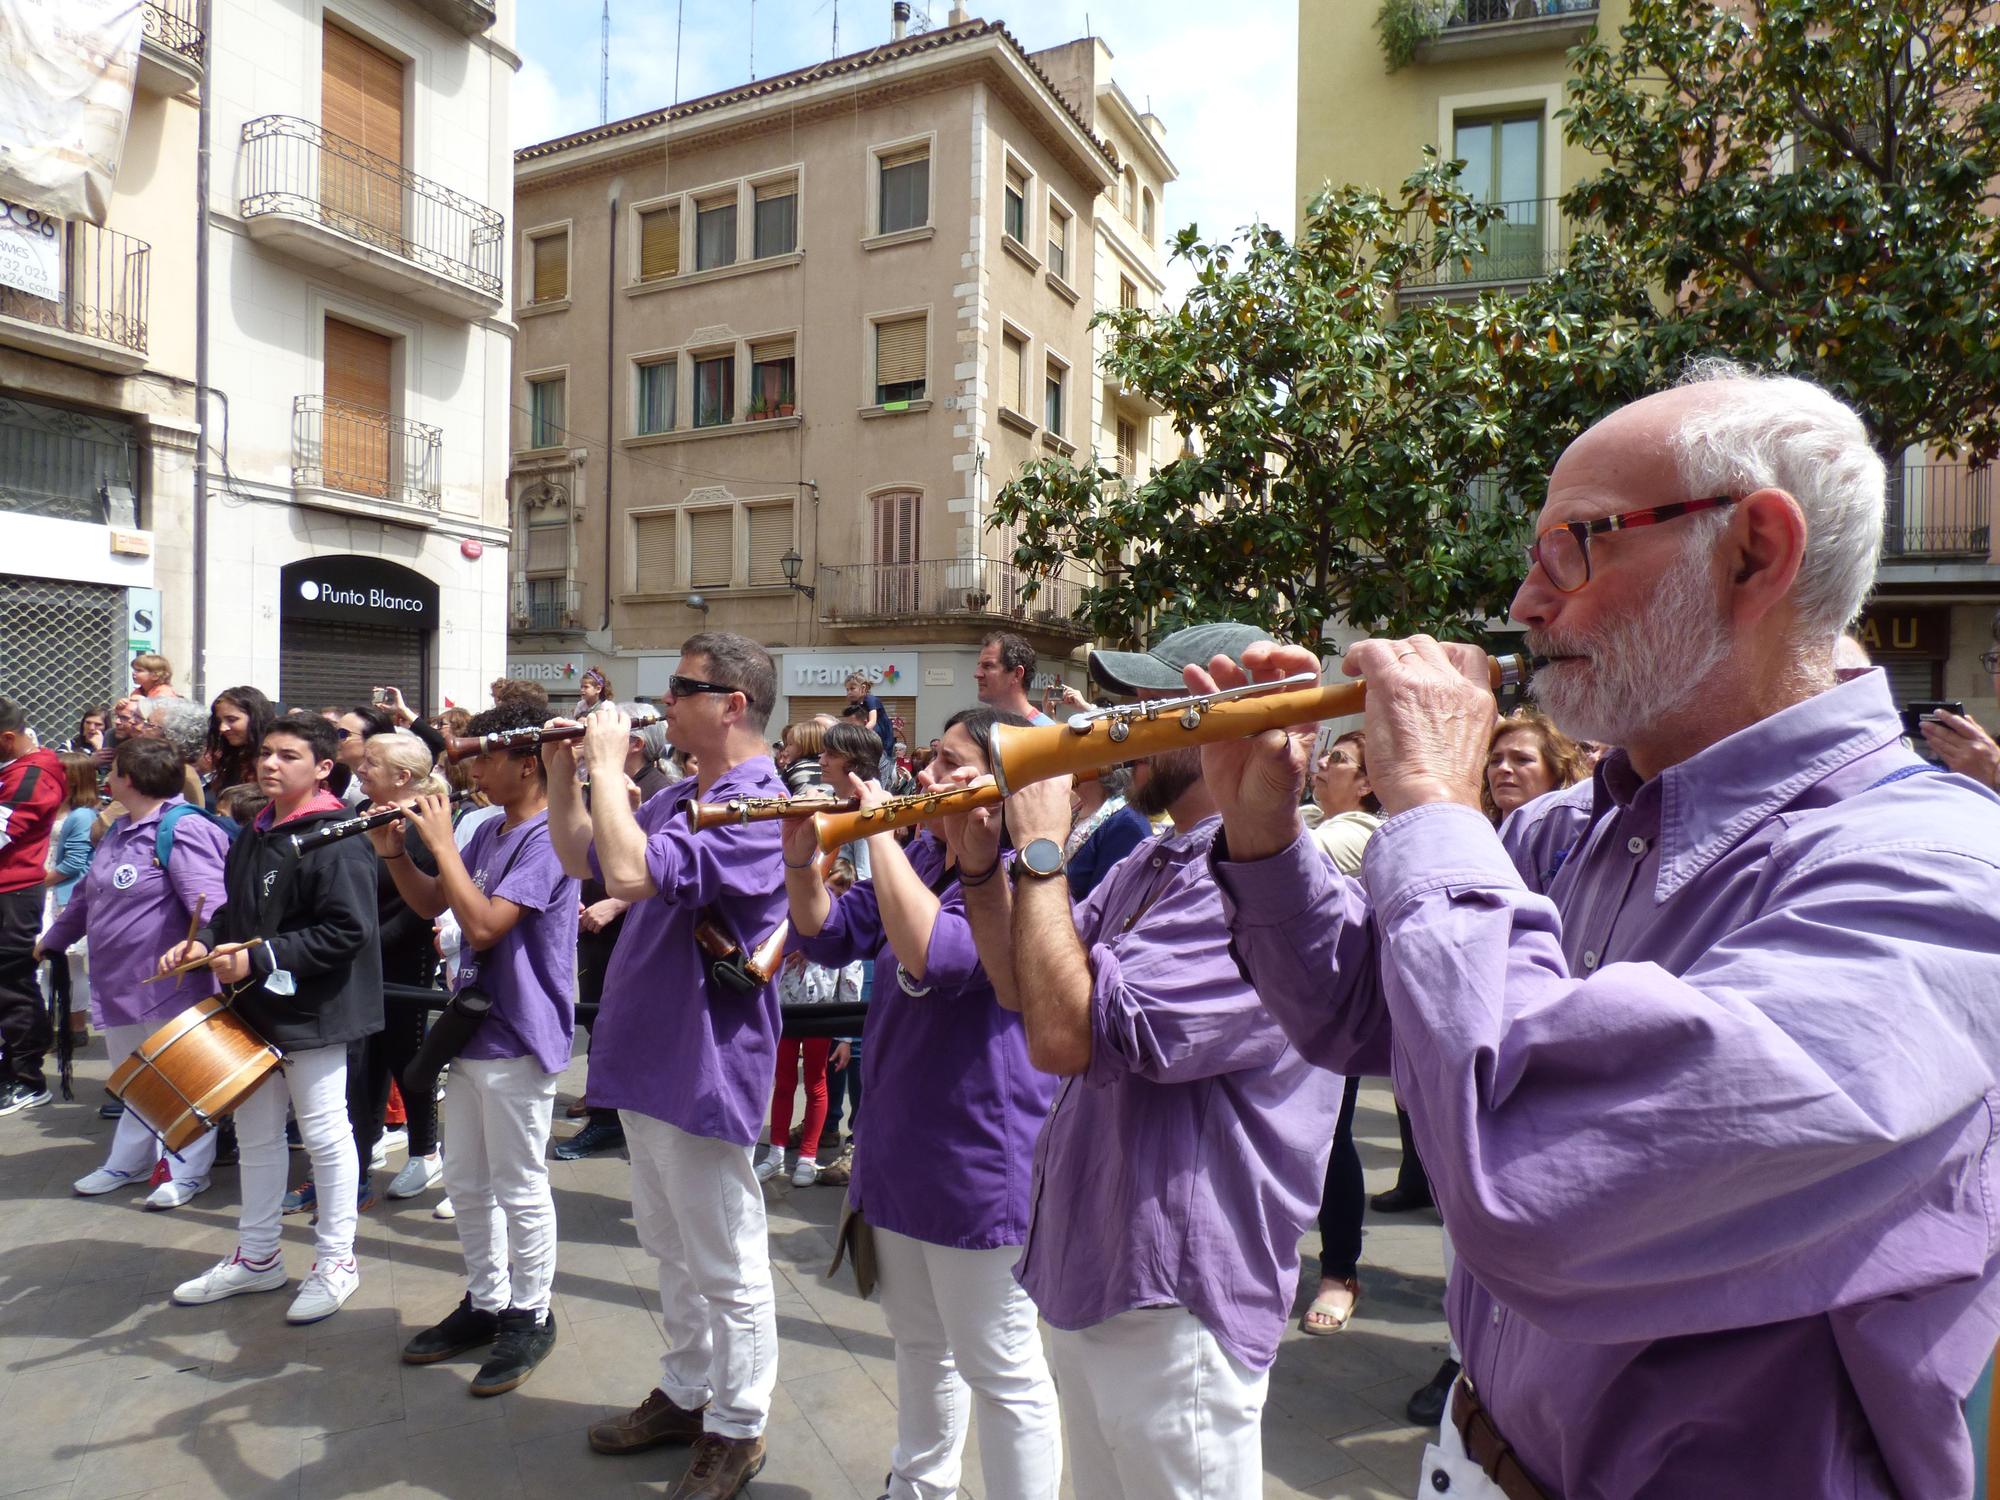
1159	670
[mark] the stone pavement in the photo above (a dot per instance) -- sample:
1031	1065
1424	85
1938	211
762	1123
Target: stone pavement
108	1390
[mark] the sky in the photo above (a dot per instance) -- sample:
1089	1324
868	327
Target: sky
1221	74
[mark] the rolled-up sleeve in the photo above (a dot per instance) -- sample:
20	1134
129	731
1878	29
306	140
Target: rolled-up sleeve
852	931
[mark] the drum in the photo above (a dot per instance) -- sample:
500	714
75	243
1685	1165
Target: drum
193	1071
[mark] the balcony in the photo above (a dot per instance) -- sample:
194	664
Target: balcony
466	17
365	462
68	465
1938	510
171	47
1527	242
1495	28
329	202
98	278
975	590
546	604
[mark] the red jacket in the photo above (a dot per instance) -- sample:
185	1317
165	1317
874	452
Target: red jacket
33	788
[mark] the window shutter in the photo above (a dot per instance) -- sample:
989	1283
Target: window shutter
1011	351
902	156
899	351
357	366
551	267
896	527
770	540
709	536
654	538
361	93
779	348
659	244
548	548
766	191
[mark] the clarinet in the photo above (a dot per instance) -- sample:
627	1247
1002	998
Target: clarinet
346	828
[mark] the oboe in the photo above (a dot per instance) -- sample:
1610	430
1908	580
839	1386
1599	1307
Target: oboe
346	828
460	746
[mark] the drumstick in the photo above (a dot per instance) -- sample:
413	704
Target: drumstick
195	963
194	920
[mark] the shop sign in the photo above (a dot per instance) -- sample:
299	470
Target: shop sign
31	251
357	590
1922	631
142	620
828	672
545	671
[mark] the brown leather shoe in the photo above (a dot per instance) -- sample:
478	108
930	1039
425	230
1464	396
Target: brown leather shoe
653	1423
721	1468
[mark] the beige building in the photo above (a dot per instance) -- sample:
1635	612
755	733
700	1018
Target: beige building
1486	89
781	346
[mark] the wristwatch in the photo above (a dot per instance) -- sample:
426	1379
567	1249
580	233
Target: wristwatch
1039	859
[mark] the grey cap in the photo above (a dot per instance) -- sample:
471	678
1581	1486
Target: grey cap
1159	670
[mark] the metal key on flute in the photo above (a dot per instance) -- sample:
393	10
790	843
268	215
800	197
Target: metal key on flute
458	747
346	828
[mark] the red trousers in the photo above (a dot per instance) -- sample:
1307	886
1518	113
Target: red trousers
816	1053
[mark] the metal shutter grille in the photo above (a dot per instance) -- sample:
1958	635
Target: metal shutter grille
1011	352
548	549
62	649
799	710
899	351
653	538
659	244
323	662
709	536
552	267
770	540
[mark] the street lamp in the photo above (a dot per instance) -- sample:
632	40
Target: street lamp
790	564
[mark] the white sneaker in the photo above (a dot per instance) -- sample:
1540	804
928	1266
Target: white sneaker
104	1180
378	1158
444	1210
772	1164
396	1138
806	1173
322	1292
231	1278
419	1174
172	1193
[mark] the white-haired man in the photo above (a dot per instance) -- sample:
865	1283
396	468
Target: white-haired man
1701	1054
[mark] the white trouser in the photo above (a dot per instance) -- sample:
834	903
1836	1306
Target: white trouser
1154	1408
700	1214
960	1319
314	1083
1463	1479
496	1132
134	1148
1450	1338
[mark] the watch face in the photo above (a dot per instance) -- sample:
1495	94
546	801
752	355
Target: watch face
1043	857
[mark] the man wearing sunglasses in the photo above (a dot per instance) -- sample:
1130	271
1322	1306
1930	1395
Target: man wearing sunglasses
1701	1054
686	1062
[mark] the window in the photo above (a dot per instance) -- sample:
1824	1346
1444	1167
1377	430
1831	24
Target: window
550	277
715	391
770	528
715	235
361	102
659	244
1016	219
900	362
547	598
776	230
896	571
1128	446
1146	215
1503	158
1058	240
1052	398
1128	292
773	365
710	533
653	552
548	547
1131	198
905	201
657	380
548	422
1013	361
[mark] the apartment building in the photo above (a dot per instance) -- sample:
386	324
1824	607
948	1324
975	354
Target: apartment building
1486	89
781	345
97	412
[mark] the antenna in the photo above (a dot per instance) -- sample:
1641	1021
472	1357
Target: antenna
836	28
753	41
604	67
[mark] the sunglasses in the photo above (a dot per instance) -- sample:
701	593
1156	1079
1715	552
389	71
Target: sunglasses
1989	661
343	734
688	687
1564	551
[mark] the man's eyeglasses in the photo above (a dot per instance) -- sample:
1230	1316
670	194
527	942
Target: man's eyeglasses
343	734
1989	661
1564	551
688	687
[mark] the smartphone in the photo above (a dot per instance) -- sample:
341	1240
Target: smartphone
1923	708
381	698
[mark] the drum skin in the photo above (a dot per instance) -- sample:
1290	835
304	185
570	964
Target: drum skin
192	1071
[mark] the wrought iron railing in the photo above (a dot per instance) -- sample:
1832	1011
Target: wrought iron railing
360	451
946	587
545	603
293	166
1463	14
176	26
104	281
1526	242
69	465
1938	510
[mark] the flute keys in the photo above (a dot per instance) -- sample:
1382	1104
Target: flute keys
1190	717
1119	731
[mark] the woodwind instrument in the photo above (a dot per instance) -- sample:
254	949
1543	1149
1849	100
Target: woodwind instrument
1107	736
458	747
761	963
330	833
703	816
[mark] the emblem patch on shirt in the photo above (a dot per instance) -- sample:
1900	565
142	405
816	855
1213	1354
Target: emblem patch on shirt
125	877
270	879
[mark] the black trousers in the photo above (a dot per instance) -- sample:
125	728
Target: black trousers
1344	1198
25	1032
371	1063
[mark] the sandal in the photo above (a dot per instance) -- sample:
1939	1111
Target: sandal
1324	1308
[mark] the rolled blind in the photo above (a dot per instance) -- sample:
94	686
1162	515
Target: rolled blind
654	538
659	244
548	549
904	155
552	267
361	93
709	534
357	365
766	191
770	540
1010	371
767	349
899	351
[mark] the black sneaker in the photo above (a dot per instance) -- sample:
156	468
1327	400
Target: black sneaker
1426	1407
598	1135
110	1111
465	1328
20	1096
524	1342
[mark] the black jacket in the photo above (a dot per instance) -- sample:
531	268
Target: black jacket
409	942
316	914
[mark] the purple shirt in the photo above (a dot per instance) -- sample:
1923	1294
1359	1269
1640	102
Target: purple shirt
1182	1166
133	911
668	1043
1703	1073
531	972
946	1076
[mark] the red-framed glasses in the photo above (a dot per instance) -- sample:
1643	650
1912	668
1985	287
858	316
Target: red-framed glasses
1564	551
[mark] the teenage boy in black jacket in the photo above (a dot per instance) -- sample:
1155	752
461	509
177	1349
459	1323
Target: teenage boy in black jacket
309	987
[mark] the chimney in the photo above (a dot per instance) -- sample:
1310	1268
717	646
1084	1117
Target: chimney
958	12
899	19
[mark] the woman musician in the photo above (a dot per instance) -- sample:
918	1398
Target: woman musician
948	1080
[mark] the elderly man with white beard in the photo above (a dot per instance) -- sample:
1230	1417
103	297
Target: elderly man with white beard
1700	1054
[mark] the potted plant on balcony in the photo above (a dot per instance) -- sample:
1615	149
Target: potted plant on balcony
759	412
977	599
786	408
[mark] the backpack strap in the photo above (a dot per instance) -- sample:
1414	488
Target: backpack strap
163	832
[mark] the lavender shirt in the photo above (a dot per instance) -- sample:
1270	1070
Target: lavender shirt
667	1043
946	1076
1703	1073
133	911
1182	1166
531	972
